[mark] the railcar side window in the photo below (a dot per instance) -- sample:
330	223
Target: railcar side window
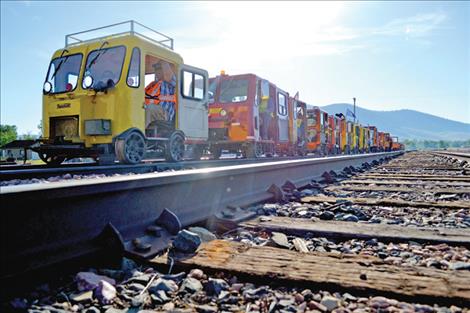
282	104
193	85
133	76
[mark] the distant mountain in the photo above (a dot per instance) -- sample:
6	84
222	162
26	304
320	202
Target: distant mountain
407	124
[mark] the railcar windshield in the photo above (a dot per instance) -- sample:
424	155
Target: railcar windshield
105	66
311	118
63	73
233	90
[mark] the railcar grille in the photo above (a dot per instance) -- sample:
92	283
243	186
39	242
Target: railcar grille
64	126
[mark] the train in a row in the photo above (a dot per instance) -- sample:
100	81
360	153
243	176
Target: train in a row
251	115
128	95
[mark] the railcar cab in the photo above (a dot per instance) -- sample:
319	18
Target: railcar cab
367	139
331	144
388	142
341	134
373	135
381	141
247	114
318	131
283	117
349	137
97	101
396	145
300	126
357	137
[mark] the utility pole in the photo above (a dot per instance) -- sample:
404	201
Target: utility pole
354	99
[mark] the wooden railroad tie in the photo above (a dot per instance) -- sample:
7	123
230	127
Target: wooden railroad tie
349	230
365	274
400	189
388	202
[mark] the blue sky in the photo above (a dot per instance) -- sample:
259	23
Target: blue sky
389	55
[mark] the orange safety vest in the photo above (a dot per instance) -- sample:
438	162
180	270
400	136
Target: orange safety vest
153	96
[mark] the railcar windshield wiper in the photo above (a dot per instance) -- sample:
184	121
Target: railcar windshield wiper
99	54
61	63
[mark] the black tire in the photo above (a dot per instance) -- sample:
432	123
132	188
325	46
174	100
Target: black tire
130	149
174	151
216	152
51	160
254	150
197	152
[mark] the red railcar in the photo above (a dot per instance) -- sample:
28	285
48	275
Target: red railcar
250	115
331	147
374	139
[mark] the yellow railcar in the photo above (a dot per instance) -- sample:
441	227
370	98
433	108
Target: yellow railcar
95	102
367	139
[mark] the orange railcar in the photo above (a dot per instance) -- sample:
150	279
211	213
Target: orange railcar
396	145
319	131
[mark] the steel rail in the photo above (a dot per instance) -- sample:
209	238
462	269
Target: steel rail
10	172
43	224
456	155
28	171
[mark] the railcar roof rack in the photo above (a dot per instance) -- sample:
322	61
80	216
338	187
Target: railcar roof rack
125	28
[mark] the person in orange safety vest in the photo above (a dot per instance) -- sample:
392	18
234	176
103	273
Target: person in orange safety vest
160	98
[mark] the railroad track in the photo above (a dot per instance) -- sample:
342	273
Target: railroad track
24	174
462	156
29	172
40	221
399	241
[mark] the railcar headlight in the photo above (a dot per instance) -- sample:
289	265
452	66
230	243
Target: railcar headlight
47	87
87	81
223	112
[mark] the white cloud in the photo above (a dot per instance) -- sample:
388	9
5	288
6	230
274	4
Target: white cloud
248	36
419	25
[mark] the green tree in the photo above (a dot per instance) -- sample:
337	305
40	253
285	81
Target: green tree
40	127
27	136
8	133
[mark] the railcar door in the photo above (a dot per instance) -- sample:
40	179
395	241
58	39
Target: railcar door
283	116
193	101
260	110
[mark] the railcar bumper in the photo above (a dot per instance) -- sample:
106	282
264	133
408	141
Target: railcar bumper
66	150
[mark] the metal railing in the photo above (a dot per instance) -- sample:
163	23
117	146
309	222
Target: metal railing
160	39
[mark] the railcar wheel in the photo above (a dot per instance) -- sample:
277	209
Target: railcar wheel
130	149
52	160
216	152
175	148
302	152
254	150
197	152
